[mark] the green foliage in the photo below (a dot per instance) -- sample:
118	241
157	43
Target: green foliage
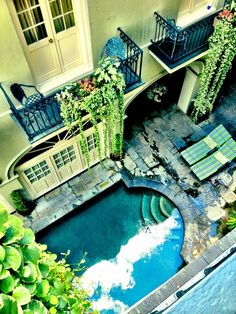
31	280
221	53
231	221
156	92
21	204
101	100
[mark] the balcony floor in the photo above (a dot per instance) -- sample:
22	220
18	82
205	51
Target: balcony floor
172	66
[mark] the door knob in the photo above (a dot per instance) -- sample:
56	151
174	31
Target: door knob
51	40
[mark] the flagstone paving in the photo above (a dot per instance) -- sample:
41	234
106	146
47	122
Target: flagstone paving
152	155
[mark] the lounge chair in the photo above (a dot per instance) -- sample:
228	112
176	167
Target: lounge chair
206	145
212	163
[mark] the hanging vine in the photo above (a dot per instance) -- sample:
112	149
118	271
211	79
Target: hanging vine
101	100
222	50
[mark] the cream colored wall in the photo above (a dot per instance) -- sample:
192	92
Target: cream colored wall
6	189
13	65
12	142
135	17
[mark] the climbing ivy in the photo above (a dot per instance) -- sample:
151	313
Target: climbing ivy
99	99
221	53
32	280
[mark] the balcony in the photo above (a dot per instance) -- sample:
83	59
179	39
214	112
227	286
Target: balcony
174	47
44	118
131	65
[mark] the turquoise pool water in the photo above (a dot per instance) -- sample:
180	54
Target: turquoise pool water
125	259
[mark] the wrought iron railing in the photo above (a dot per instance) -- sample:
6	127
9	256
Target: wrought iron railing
38	118
176	43
131	66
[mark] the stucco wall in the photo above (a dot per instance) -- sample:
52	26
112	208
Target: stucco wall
12	142
135	17
13	65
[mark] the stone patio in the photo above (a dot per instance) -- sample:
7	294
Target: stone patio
152	151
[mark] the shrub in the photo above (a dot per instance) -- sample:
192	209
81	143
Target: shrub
21	204
156	92
228	223
31	280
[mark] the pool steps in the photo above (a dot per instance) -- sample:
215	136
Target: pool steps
166	206
156	209
146	215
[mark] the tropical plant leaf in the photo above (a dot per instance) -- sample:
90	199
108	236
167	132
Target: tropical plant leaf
21	295
28	237
3	215
2	253
44	269
15	231
53	299
9	305
42	288
12	258
35	306
4	274
29	273
31	253
7	284
3	230
31	287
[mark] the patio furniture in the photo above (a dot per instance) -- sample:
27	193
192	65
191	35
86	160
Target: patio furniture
206	145
114	47
27	101
34	105
212	163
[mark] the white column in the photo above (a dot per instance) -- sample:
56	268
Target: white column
190	85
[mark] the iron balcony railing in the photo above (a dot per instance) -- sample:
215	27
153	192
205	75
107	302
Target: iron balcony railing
38	118
175	43
131	65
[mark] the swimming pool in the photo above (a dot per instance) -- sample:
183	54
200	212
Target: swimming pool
126	259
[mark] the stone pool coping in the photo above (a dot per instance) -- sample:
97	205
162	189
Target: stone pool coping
164	296
188	209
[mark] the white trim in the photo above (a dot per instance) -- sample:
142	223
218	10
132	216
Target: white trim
182	65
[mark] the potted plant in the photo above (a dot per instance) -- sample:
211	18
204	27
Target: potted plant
21	203
101	98
156	92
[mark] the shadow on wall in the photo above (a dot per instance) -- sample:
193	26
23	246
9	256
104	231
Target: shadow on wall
142	107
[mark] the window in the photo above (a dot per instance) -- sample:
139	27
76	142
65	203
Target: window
31	20
91	142
37	172
62	14
64	157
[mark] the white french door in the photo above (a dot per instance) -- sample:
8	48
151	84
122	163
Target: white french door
50	34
